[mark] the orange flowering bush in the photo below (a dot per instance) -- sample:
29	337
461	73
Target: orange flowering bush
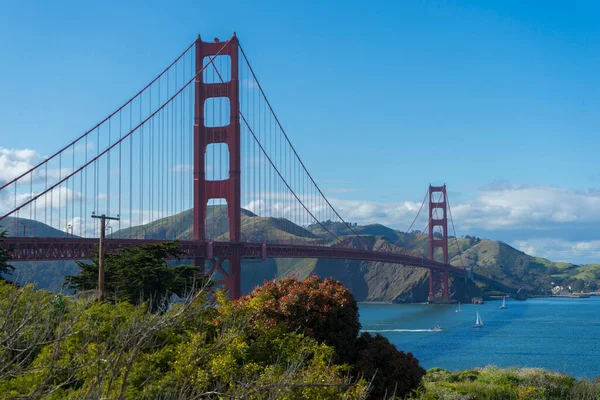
321	309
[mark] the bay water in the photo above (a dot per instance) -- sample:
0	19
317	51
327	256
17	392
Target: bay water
561	334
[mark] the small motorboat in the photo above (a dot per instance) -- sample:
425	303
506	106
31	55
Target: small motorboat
437	328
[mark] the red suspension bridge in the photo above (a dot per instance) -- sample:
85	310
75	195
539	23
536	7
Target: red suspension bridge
199	155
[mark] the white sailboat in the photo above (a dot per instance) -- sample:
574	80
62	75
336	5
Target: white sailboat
458	309
478	322
503	306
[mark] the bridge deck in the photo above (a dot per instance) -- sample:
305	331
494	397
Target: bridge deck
44	249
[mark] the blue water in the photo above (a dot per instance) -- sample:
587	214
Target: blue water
552	333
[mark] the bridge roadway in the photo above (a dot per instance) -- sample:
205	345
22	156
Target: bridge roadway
45	249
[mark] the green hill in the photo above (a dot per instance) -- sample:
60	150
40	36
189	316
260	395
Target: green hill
47	275
254	228
368	280
340	229
29	228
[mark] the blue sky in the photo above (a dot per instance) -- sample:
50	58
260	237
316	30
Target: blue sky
498	99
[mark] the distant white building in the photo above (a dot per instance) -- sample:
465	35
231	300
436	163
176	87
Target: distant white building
560	290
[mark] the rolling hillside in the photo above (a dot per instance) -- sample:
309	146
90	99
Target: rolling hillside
367	280
27	227
180	226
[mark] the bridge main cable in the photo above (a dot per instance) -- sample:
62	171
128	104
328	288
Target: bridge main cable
110	147
46	160
414	220
296	153
256	139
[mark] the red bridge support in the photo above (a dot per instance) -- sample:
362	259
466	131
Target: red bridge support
438	280
228	189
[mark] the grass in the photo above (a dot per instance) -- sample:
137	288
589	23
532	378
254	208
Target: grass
588	272
548	263
300	268
491	382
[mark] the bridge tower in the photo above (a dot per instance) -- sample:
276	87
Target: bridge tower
438	280
228	189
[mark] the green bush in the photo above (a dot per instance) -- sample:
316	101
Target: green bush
508	383
392	372
72	348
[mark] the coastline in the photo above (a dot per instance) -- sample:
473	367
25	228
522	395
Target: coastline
494	298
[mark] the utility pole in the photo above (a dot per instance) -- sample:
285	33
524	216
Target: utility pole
103	219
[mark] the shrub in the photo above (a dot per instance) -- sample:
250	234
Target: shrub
75	348
505	384
394	372
321	309
326	311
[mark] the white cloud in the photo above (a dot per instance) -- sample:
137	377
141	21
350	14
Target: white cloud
60	196
587	251
248	83
182	168
398	215
541	216
535	218
504	208
81	227
82	147
531	207
14	162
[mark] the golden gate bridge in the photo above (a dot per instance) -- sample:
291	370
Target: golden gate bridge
178	160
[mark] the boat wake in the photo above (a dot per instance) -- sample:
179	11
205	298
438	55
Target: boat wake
396	330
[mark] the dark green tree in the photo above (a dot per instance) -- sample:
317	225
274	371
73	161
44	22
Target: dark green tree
138	274
5	268
577	285
392	372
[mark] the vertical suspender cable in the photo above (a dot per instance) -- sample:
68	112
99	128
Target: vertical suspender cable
85	196
454	230
151	189
167	150
59	190
173	152
73	196
174	163
215	205
108	170
191	140
120	170
131	172
182	153
141	184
